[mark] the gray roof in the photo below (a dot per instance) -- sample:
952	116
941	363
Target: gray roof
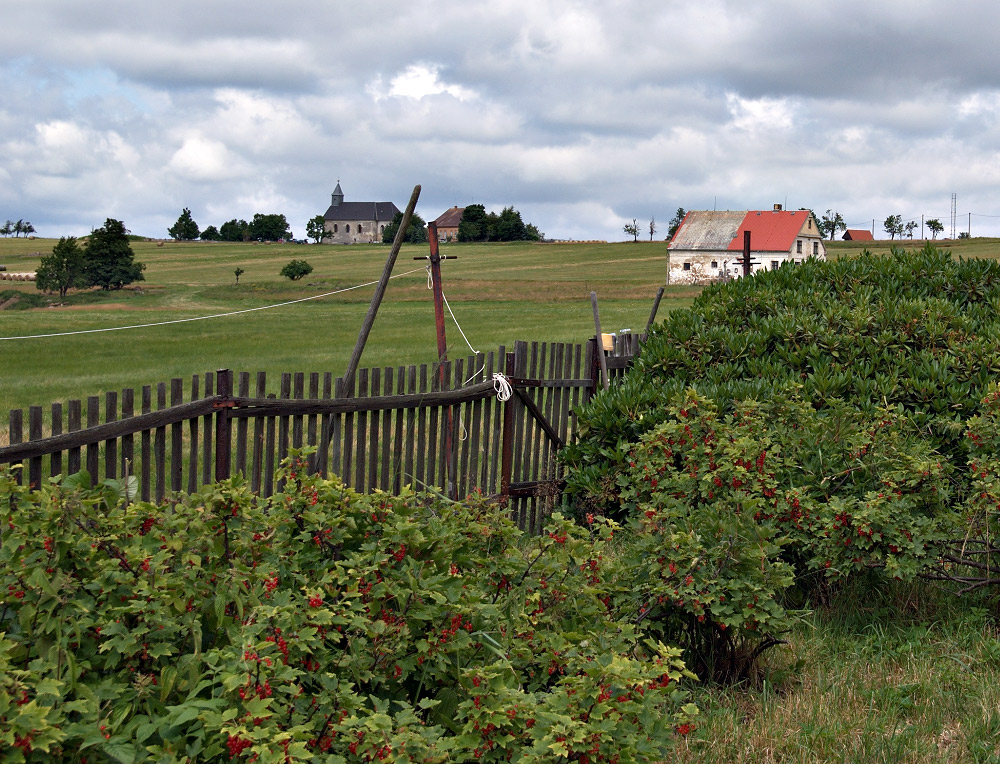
361	211
708	230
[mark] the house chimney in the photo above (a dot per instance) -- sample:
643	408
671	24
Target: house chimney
777	208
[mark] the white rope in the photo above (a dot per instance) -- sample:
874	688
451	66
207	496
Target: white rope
502	385
201	318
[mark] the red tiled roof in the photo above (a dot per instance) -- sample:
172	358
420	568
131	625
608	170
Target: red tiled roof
770	231
450	218
858	234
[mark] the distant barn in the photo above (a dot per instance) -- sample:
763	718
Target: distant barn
447	224
858	234
708	245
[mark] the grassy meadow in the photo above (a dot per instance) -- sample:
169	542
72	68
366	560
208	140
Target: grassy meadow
499	294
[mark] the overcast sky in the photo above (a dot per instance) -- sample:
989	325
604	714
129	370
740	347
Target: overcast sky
583	115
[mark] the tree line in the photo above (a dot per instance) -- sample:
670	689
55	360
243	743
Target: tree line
104	260
263	227
17	228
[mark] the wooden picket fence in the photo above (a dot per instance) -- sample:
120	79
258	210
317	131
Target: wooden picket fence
440	427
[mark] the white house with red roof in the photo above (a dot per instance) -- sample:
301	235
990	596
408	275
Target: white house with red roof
708	245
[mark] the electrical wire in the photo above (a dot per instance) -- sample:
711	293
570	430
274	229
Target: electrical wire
202	318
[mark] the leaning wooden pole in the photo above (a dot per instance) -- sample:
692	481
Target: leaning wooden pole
656	307
383	282
600	341
442	346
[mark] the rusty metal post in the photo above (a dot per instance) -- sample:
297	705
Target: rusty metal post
223	428
507	442
746	253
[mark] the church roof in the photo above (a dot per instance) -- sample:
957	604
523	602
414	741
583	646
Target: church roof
361	211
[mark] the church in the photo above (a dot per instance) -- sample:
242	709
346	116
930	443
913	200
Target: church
356	222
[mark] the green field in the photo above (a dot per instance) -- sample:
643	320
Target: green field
499	293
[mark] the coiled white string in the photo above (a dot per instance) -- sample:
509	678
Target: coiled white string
502	385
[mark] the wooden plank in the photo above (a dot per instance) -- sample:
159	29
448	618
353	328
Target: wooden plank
93	449
488	455
128	440
176	438
347	452
160	446
56	462
207	432
325	424
337	433
111	444
475	432
35	433
16	432
519	439
193	422
284	393
385	471
495	450
101	432
463	428
360	484
373	448
242	425
145	482
267	488
298	393
223	425
258	437
409	452
311	420
397	443
419	474
434	436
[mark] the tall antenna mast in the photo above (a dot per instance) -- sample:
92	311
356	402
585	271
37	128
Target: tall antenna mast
954	207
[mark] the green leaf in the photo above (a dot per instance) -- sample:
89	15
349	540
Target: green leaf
120	750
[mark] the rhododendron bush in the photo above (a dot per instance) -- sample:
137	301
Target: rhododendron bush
318	625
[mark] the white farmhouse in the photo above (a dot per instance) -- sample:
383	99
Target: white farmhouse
708	245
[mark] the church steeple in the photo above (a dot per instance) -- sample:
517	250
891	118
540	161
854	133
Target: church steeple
338	196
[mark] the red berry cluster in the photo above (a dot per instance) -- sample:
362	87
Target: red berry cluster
237	745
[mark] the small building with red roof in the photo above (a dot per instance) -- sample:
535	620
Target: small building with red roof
708	245
447	224
857	234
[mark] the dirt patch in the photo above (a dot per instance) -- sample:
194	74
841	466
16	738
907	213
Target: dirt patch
8	302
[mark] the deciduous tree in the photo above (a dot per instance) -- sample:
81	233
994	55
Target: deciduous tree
893	226
316	228
235	230
294	270
415	234
273	227
935	227
63	269
632	229
830	223
652	228
211	234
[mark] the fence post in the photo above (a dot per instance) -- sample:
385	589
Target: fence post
593	366
507	438
223	428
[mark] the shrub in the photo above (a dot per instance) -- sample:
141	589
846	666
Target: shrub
296	269
318	624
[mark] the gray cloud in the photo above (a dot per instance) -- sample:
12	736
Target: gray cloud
581	114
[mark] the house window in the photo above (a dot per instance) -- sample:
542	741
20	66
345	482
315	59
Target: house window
687	266
347	228
815	247
336	228
361	227
798	247
774	265
715	264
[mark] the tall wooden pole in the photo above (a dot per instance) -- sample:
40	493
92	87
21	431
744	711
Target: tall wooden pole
442	343
366	327
746	253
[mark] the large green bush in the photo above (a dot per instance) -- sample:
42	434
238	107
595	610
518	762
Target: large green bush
317	625
819	419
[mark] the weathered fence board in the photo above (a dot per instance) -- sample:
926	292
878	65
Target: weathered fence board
438	427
